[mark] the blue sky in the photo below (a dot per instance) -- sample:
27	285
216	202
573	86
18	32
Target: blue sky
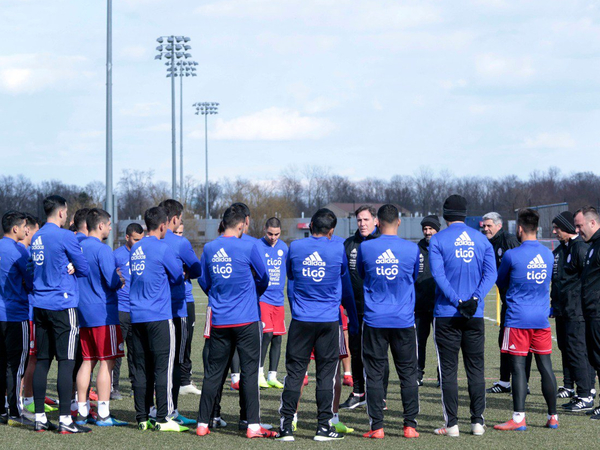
367	88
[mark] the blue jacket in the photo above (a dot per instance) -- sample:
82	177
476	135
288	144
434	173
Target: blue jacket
389	266
15	281
274	258
98	304
122	259
154	268
526	272
52	249
463	265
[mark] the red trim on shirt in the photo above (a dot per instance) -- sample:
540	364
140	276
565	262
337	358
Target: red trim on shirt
232	326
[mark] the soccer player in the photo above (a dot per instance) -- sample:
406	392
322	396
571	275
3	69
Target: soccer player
133	234
316	265
587	224
525	274
188	260
100	332
425	293
154	267
366	221
80	224
462	264
15	282
502	242
389	267
271	302
233	276
57	260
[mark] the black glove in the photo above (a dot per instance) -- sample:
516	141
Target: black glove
468	308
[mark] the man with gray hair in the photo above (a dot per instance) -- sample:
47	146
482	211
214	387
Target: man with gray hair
501	241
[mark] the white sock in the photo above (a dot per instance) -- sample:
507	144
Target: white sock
205	425
103	409
295	417
335	419
347	374
41	417
254	426
235	377
553	416
261	371
153	412
518	417
83	408
272	376
66	420
504	384
27	401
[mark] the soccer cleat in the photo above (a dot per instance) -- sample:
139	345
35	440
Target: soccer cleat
170	425
189	389
202	431
578	405
110	421
116	395
564	392
181	420
375	434
262	382
147	425
410	432
552	423
51	401
477	429
385	408
235	386
420	382
243	425
72	428
84	420
448	431
93	396
305	383
261	433
4	418
294	425
285	435
497	388
348	381
327	434
16	421
275	384
511	425
341	428
594	411
40	427
217	422
354	401
47	408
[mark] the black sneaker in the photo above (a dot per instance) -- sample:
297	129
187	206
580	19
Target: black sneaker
354	401
19	421
285	434
594	412
327	434
564	392
579	404
4	418
420	382
44	426
497	388
72	428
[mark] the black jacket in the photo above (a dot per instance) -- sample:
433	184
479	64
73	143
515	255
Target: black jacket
351	245
569	261
502	242
425	284
590	280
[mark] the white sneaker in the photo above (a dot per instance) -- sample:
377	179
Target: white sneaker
477	429
189	389
448	431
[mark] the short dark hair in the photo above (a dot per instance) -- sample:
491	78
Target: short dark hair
32	220
133	227
232	216
172	207
73	228
155	217
95	217
79	219
273	222
244	208
323	221
53	203
589	212
11	219
369	208
388	213
528	219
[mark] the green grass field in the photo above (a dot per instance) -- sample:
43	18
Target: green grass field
575	431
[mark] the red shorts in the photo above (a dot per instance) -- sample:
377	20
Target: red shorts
520	342
208	322
273	319
32	341
344	318
343	348
101	343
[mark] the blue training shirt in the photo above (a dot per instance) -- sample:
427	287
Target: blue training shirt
15	281
153	268
526	271
463	265
122	259
275	258
52	249
98	304
389	267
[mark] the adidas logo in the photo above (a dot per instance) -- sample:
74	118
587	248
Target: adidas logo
512	347
387	257
37	244
138	254
537	263
314	260
463	239
221	256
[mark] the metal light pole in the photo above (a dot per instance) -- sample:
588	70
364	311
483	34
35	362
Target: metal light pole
206	108
109	158
172	51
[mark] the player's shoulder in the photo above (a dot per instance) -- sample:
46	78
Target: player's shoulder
281	245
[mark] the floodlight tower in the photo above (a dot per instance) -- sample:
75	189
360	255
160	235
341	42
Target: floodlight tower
205	109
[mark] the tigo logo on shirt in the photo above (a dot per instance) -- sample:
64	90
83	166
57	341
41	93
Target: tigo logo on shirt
468	254
37	251
537	275
314	260
387	257
138	261
226	270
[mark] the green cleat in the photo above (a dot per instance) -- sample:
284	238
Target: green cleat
47	408
262	382
341	428
275	384
170	425
147	425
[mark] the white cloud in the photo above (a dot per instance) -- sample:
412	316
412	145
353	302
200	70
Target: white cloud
495	66
550	140
272	124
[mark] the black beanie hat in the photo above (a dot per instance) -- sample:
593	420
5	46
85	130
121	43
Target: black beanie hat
564	221
455	208
431	221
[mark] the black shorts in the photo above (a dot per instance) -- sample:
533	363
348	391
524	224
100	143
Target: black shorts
56	333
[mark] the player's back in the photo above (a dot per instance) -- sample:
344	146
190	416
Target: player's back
14	303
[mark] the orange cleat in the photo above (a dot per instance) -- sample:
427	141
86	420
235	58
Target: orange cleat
511	425
262	433
93	396
348	381
552	423
410	432
305	380
202	431
235	386
375	434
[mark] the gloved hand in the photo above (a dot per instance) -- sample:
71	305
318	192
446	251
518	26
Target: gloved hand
468	308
